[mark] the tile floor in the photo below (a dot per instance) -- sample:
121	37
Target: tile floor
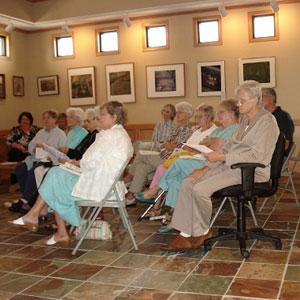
113	270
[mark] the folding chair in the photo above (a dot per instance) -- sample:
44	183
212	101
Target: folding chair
286	172
111	199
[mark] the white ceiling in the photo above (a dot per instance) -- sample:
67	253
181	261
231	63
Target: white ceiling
184	6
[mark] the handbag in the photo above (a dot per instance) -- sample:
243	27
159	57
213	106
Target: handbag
100	230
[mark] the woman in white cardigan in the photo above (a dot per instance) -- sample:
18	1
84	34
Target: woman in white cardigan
99	167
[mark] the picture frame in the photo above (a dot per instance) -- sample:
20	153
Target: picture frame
48	85
120	82
259	69
211	78
18	86
82	89
2	87
165	80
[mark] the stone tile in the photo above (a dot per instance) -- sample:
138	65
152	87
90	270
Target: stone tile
293	273
135	261
122	276
224	254
217	268
65	254
7	295
296	246
95	291
16	283
188	296
160	239
261	271
149	249
159	280
41	267
101	258
175	264
26	297
281	225
5	236
25	239
207	284
295	258
146	227
52	287
272	257
282	234
6	249
143	294
12	263
286	245
283	217
77	271
290	291
33	251
255	288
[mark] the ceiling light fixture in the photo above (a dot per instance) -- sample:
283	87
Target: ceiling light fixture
222	10
127	21
274	5
9	27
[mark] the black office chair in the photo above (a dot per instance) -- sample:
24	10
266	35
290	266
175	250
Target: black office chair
248	190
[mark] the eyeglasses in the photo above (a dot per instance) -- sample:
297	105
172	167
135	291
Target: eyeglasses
165	111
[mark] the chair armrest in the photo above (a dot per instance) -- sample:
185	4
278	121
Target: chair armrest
247	174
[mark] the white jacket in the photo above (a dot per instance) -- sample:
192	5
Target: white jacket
101	163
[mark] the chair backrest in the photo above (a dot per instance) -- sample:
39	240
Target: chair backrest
277	159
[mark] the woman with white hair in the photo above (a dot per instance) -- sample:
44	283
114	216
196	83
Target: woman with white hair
146	164
253	141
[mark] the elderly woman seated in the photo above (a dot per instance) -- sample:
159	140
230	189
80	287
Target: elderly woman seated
99	167
253	141
20	136
145	164
204	117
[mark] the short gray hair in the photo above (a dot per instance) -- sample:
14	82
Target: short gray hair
251	87
78	112
270	92
207	109
90	113
186	108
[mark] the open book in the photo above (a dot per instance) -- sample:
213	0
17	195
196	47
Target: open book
71	168
199	148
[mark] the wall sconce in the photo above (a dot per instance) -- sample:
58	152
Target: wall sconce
65	28
274	5
9	27
222	10
127	21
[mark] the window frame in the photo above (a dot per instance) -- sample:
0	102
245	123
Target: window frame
7	44
98	31
145	26
252	15
54	45
196	22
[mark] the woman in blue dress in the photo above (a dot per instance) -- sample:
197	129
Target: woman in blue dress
99	167
228	117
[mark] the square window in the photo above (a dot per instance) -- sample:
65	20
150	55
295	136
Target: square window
156	36
63	46
108	41
207	31
2	45
263	26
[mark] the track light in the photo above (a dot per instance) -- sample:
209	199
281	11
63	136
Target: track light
65	28
127	21
274	6
222	10
9	27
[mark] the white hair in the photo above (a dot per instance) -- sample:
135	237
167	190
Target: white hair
186	108
78	112
252	88
90	113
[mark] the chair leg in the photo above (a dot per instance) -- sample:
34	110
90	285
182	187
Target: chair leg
293	187
90	222
161	193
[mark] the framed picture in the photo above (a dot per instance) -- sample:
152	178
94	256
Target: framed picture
211	78
48	85
165	81
2	86
120	82
82	86
259	69
18	86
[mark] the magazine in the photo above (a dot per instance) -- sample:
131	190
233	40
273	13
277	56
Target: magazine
71	168
199	148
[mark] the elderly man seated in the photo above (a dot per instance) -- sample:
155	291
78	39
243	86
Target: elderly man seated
253	141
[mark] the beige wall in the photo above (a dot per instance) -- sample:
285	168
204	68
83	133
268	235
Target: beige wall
37	61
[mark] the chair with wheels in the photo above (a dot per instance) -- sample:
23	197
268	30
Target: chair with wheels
247	191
